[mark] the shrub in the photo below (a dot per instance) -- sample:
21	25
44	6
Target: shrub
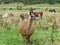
19	7
4	8
10	8
0	2
6	2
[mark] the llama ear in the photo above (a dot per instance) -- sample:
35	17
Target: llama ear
31	10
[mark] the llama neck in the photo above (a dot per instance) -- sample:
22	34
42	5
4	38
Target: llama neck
30	24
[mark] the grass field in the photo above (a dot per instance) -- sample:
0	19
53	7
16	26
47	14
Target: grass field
11	36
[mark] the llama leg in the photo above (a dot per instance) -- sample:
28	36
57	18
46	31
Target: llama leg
39	20
41	16
24	40
28	40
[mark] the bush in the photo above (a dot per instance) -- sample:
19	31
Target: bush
0	2
10	8
4	8
6	2
19	7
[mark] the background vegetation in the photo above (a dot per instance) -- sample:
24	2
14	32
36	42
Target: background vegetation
30	1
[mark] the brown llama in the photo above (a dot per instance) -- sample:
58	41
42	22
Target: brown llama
37	14
56	23
27	28
54	26
52	10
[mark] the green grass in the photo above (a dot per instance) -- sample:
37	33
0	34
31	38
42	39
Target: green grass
12	36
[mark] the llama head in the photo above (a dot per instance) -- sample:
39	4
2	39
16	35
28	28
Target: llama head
31	14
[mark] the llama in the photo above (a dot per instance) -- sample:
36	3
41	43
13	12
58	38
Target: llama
56	23
10	19
27	28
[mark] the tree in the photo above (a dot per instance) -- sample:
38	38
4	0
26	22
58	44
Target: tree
51	1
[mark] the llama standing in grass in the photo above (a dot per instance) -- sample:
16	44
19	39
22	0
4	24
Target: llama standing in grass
10	19
27	28
37	14
56	23
7	18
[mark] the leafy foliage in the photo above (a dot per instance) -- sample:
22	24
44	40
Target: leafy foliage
30	1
